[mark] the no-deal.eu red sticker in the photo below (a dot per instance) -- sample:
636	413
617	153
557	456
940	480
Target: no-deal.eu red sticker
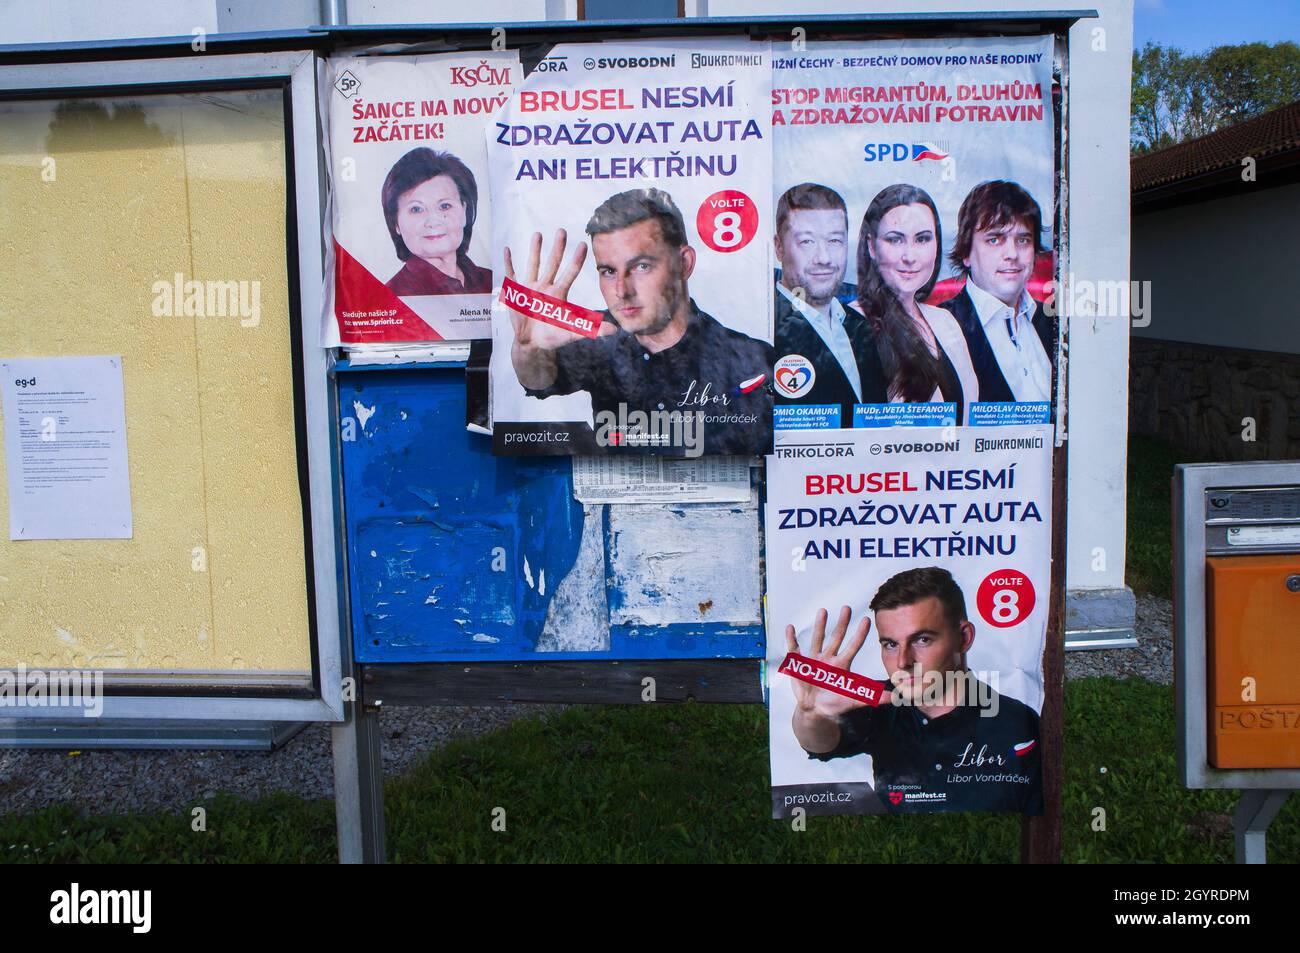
838	680
542	307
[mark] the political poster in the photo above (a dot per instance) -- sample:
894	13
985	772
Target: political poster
908	578
411	207
914	208
632	185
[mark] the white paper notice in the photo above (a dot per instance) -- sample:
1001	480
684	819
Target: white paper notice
65	448
661	480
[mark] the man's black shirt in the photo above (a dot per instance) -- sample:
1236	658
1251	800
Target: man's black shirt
712	369
961	761
993	383
794	335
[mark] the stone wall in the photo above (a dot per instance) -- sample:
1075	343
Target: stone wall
1196	396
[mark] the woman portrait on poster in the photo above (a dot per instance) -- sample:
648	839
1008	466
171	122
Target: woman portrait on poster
430	203
900	251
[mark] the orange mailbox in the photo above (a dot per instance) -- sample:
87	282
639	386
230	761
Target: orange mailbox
1253	654
1237	637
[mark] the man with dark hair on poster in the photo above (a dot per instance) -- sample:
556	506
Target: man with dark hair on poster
946	741
1009	336
811	322
656	350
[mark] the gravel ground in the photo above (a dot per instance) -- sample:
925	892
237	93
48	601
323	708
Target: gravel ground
1153	659
118	782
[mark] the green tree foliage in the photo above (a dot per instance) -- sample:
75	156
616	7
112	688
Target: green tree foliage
1179	96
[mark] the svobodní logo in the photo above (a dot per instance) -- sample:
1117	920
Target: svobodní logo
630	62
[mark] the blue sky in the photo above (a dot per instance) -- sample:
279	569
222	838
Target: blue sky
1197	25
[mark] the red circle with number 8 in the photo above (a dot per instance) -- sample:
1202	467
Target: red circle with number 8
727	221
1005	598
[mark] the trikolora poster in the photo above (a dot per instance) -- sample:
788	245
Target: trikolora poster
914	208
411	207
632	187
908	574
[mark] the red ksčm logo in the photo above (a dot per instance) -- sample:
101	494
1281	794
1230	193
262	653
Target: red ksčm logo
482	74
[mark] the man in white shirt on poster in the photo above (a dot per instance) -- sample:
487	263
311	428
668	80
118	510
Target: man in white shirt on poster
825	353
1010	337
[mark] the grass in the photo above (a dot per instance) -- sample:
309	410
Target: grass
686	783
1150	520
690	783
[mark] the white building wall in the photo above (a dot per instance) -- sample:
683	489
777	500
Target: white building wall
452	11
1236	239
68	21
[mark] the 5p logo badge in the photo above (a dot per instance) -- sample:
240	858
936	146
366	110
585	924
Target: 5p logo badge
794	376
347	84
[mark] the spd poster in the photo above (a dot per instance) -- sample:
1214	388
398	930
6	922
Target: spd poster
914	208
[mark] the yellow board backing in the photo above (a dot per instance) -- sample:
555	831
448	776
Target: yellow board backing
102	204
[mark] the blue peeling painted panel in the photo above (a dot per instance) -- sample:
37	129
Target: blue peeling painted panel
448	562
454	554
